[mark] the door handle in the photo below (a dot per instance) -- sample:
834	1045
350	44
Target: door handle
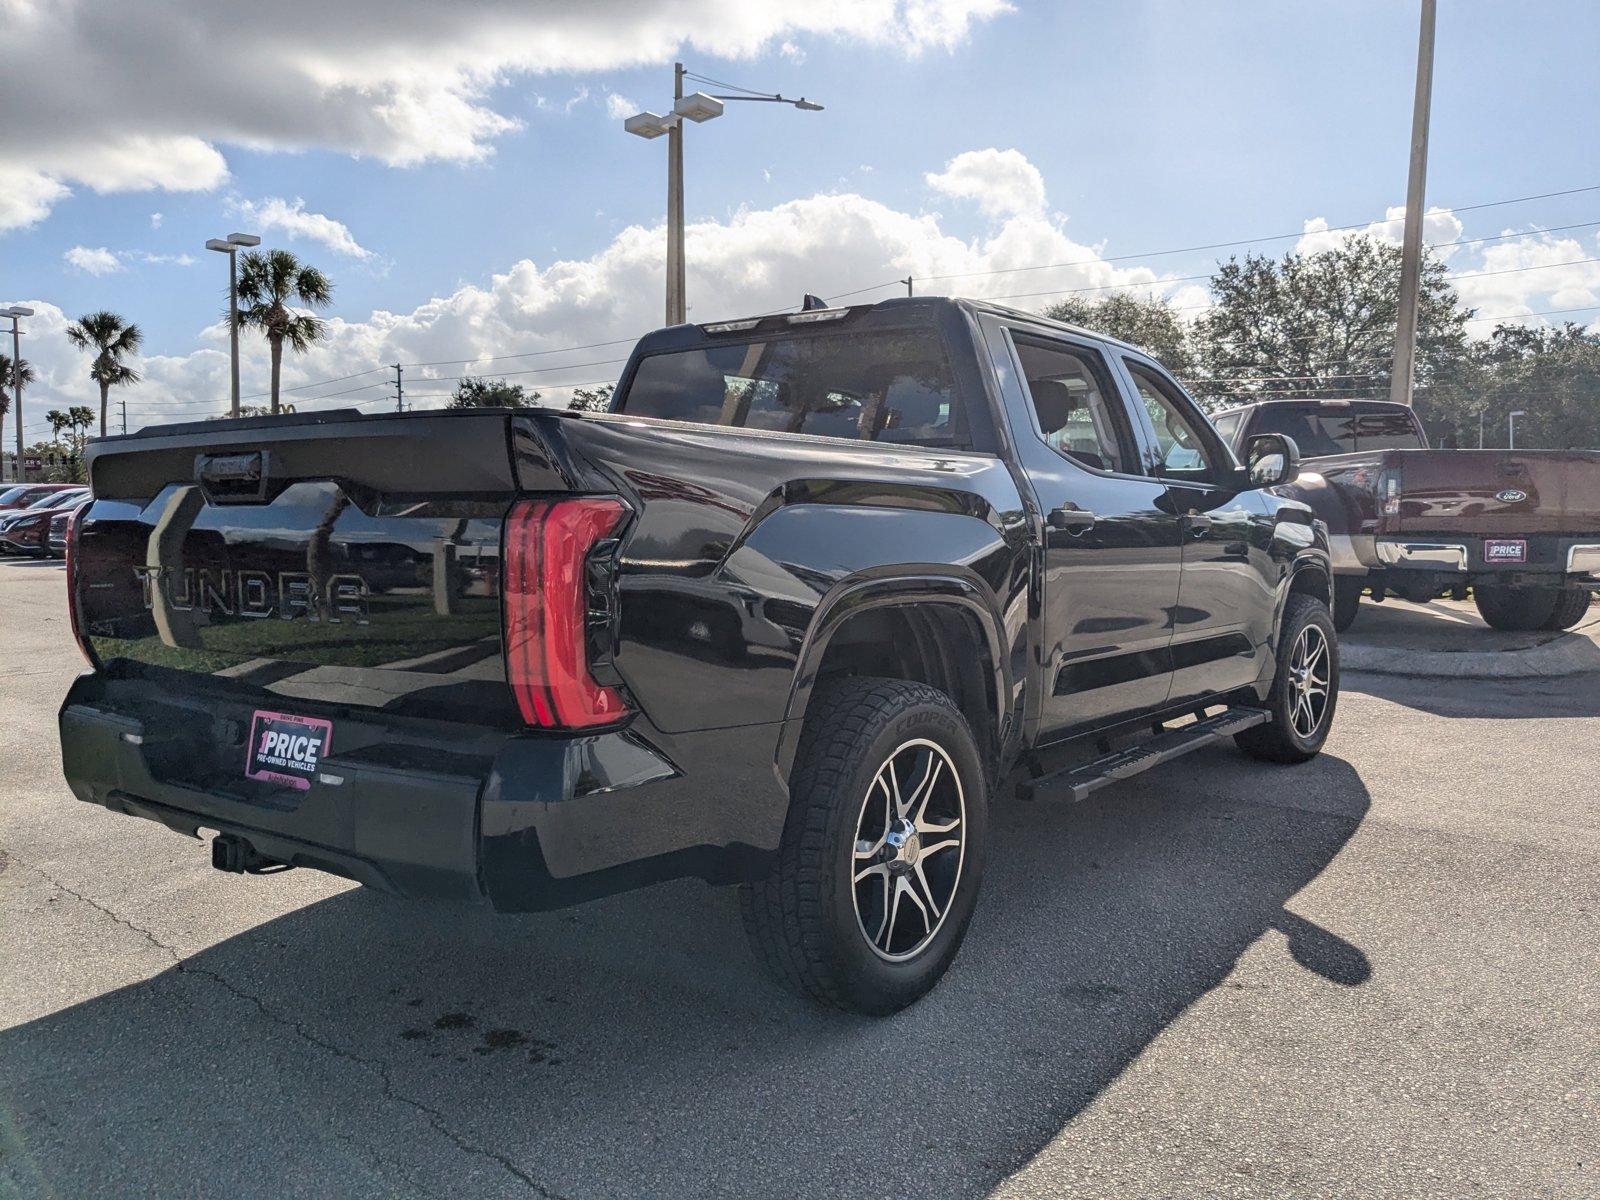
1070	517
1197	524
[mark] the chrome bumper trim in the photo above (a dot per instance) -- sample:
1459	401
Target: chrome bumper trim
1446	555
1583	560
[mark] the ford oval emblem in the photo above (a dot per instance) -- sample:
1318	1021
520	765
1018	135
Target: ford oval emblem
1511	496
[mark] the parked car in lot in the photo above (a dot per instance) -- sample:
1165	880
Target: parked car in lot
816	589
55	544
22	495
1521	528
27	531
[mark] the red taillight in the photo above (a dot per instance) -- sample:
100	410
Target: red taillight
72	584
545	586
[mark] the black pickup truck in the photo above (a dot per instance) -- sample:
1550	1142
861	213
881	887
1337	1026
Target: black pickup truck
817	589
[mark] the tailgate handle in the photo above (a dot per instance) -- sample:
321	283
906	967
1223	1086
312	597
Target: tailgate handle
238	478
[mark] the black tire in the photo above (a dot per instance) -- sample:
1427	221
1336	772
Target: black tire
808	921
1293	735
1515	609
1347	591
1572	605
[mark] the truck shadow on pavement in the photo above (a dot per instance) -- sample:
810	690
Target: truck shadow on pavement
363	1046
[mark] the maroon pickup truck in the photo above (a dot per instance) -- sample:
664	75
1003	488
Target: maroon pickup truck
1520	528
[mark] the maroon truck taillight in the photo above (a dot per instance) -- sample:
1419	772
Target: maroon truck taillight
73	601
547	590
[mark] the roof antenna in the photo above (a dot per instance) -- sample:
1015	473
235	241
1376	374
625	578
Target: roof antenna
812	303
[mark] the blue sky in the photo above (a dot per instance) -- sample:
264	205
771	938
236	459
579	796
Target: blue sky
1152	125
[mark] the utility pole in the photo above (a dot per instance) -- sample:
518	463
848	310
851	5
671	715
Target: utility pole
399	389
16	312
907	282
124	412
1405	334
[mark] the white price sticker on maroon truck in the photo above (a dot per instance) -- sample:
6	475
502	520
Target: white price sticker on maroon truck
1505	550
286	749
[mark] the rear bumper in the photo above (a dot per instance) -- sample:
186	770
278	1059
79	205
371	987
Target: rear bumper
1575	560
512	822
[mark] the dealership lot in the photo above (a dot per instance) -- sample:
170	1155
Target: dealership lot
1371	975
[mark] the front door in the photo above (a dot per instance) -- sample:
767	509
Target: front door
1111	555
1222	625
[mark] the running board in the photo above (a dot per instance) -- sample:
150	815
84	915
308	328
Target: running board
1076	783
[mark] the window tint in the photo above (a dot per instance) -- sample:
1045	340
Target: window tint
1079	415
889	386
1178	441
11	494
1333	432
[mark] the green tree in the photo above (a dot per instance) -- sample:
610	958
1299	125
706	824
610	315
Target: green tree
473	392
110	338
1321	325
1151	324
58	421
269	282
597	399
1551	374
10	377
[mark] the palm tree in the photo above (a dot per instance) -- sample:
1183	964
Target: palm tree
58	421
268	281
109	337
9	379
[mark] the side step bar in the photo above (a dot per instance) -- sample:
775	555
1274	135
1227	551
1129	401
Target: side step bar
1077	783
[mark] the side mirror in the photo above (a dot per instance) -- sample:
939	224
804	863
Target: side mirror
1271	459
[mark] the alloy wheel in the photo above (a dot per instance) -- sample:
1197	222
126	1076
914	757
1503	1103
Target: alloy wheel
1310	682
909	850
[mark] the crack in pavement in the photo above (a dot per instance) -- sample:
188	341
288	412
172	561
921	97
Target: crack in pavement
378	1067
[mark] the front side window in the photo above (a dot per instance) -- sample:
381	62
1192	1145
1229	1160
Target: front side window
889	386
1079	415
1182	451
1228	425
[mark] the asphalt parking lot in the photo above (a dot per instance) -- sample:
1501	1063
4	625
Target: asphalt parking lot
1375	975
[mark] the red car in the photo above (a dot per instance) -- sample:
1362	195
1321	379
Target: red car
23	495
28	531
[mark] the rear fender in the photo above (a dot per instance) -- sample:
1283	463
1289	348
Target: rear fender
853	596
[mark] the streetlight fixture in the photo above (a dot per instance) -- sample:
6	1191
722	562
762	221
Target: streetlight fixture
697	107
1511	427
230	246
16	312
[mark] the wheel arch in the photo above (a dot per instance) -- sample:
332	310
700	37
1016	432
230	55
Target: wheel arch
925	627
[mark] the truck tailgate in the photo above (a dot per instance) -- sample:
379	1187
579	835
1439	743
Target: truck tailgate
1494	492
301	562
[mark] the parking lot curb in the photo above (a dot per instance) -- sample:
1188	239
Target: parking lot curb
1565	654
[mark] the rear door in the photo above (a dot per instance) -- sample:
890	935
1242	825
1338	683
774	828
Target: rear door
1223	620
1111	556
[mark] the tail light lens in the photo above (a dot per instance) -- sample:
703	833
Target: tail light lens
1389	492
547	591
73	567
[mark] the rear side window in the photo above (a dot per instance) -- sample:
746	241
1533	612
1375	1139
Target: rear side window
1079	414
1334	432
890	386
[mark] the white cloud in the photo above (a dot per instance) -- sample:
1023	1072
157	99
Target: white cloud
757	260
290	217
402	81
1439	227
619	107
155	220
176	260
93	260
1002	182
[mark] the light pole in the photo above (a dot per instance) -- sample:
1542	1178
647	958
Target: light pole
230	246
16	312
1405	334
1511	427
697	107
